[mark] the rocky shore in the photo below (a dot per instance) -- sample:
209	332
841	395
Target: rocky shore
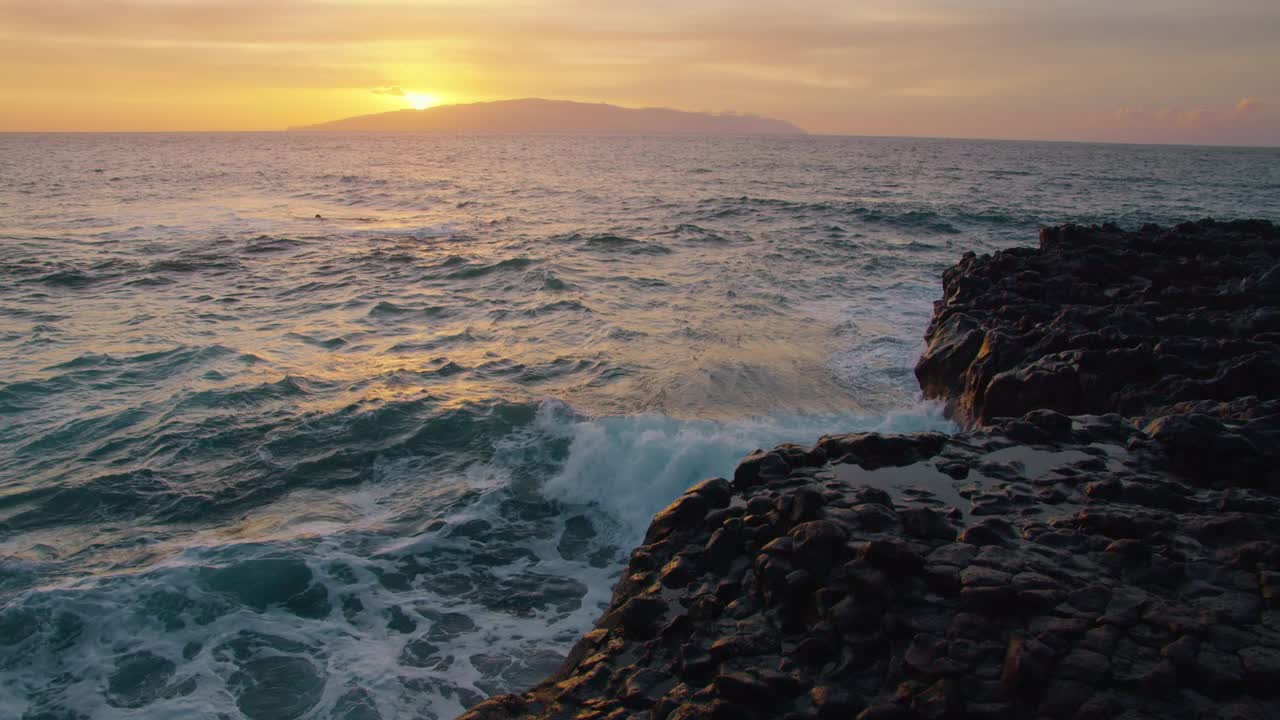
1178	328
1102	541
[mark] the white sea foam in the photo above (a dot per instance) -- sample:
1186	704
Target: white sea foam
632	466
203	639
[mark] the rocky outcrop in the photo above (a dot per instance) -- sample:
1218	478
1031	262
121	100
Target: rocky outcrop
1100	320
1178	328
1095	565
977	576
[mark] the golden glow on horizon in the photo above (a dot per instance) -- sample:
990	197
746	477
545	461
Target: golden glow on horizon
421	101
984	68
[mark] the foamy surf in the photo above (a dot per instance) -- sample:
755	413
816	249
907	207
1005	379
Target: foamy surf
415	592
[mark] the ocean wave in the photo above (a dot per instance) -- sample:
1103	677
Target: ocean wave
468	271
109	498
325	343
28	395
631	466
267	448
105	372
68	278
557	306
289	387
609	243
548	280
83	431
589	370
332	603
438	342
150	281
264	244
689	232
946	220
194	264
640	281
390	311
314	286
32	315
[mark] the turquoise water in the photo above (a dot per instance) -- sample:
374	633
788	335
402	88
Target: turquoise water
360	426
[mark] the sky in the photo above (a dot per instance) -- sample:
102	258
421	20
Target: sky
1179	71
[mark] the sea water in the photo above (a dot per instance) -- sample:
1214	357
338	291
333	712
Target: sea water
352	426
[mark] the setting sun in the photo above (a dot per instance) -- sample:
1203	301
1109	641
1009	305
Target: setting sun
421	101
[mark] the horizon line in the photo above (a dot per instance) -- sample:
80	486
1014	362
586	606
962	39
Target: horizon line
807	134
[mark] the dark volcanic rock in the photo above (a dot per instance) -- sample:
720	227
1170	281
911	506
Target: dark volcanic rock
1099	604
1100	320
1179	326
1107	544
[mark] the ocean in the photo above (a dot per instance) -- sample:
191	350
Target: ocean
364	426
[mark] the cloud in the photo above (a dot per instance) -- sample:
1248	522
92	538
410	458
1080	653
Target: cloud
1244	111
1249	106
1013	68
1244	122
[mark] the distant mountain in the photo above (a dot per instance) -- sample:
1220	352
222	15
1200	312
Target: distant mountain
557	116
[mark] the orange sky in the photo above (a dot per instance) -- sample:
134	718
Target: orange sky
1141	70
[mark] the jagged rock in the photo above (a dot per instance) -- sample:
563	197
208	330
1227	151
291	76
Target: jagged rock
926	523
757	466
717	492
683	514
1100	320
743	688
833	702
873	450
639	614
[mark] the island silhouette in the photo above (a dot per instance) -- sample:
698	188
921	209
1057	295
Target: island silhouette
535	115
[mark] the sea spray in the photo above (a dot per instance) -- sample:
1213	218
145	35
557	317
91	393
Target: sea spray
629	467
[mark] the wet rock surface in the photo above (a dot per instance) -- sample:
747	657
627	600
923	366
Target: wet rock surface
1092	565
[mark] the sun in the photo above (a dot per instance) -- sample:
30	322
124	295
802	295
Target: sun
420	101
